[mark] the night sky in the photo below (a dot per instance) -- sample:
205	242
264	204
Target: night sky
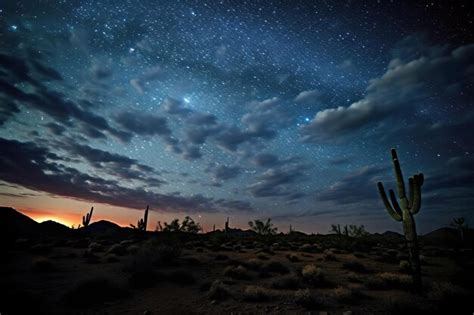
232	108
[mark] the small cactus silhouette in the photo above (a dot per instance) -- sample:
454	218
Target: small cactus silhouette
142	223
459	223
87	218
404	212
227	225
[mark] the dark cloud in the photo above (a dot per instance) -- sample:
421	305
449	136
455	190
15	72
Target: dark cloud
277	181
53	103
143	124
7	110
357	187
152	74
174	107
222	172
309	97
442	73
39	170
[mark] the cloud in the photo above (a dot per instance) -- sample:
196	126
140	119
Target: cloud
40	170
397	91
143	124
357	187
152	74
222	172
65	110
7	110
174	107
271	160
309	97
275	182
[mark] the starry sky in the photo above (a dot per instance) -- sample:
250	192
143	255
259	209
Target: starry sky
240	109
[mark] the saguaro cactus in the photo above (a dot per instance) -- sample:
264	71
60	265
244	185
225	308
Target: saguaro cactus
87	218
142	223
459	224
227	225
403	210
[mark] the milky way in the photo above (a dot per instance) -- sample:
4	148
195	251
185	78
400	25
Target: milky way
249	110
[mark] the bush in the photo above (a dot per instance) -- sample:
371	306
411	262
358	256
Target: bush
306	299
330	257
42	264
254	293
221	257
254	264
262	257
111	258
218	291
313	275
292	258
346	295
117	249
239	272
404	266
388	281
93	292
354	266
288	282
277	267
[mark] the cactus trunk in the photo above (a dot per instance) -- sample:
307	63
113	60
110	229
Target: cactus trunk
403	210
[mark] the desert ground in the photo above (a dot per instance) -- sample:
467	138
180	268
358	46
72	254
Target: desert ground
106	269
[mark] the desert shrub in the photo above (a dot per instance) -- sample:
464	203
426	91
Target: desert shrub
221	257
330	257
402	305
132	249
313	275
346	295
404	266
117	249
182	277
305	298
218	291
288	282
40	249
93	292
199	249
254	264
309	248
262	257
239	272
292	258
96	247
354	266
192	261
263	228
254	293
276	267
355	278
359	255
42	264
388	281
111	258
165	254
441	292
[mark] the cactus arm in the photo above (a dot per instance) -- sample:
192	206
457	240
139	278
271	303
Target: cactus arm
394	214
411	191
416	204
145	221
398	175
395	203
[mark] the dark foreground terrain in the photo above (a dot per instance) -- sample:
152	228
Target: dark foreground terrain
105	269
